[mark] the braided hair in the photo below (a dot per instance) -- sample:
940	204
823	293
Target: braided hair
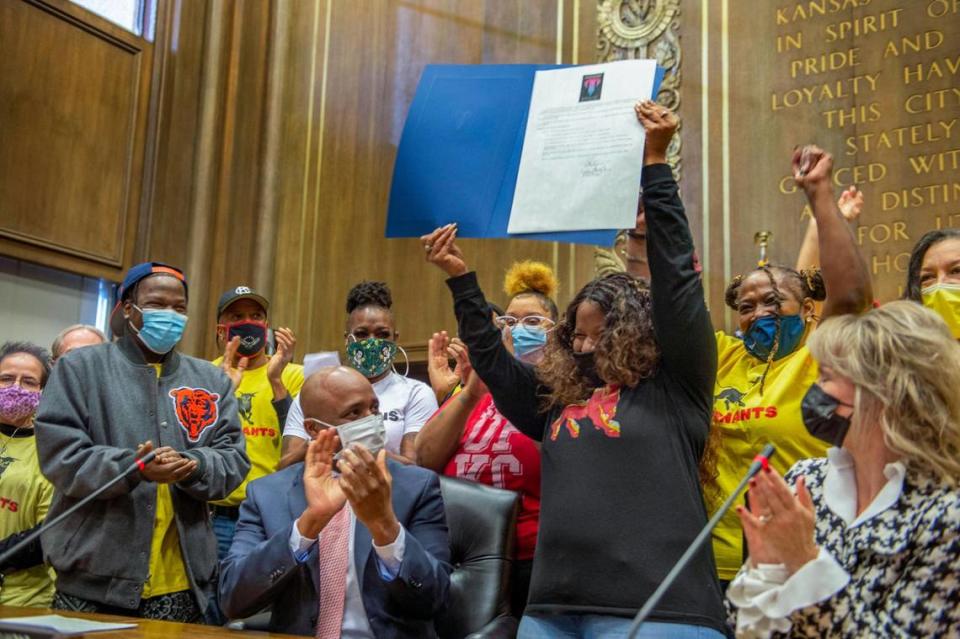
805	284
626	353
366	293
917	255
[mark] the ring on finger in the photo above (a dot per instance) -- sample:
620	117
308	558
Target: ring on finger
765	518
427	247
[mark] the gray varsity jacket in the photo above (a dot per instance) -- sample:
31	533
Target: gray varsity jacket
98	405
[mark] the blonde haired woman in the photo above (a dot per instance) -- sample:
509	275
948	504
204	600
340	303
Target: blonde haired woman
868	545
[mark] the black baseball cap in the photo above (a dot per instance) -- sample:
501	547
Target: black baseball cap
241	293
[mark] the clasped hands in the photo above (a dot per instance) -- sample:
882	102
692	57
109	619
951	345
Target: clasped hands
364	481
167	467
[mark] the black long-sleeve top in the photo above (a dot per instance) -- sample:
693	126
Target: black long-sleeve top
621	496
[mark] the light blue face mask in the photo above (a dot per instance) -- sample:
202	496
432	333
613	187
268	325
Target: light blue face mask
527	342
162	329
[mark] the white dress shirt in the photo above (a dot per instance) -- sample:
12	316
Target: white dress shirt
355	623
765	595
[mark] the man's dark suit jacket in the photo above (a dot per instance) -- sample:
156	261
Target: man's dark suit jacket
261	570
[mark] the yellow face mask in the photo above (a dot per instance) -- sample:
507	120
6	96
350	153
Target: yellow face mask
944	300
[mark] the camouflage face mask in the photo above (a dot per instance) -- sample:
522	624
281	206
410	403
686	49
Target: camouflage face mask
371	356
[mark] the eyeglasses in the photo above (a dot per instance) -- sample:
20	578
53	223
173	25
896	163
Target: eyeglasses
6	381
530	321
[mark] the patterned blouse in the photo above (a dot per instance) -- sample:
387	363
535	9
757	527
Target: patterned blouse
892	571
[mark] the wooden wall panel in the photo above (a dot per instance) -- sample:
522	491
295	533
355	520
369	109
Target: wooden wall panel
73	91
749	106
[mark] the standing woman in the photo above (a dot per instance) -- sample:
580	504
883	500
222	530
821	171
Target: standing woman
470	439
621	403
933	277
26	580
371	344
763	373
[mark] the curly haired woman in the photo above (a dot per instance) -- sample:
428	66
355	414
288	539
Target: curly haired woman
621	403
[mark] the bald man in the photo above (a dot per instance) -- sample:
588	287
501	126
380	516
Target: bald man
355	548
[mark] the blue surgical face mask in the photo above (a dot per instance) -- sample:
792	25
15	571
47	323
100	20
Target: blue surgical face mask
162	329
527	342
759	338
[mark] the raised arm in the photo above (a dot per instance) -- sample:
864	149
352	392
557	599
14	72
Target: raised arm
850	205
513	384
845	273
681	321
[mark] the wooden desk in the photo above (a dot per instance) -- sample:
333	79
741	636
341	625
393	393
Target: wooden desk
146	628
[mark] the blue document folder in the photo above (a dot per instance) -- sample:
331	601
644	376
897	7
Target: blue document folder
460	153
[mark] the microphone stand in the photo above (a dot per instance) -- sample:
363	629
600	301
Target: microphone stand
26	541
760	461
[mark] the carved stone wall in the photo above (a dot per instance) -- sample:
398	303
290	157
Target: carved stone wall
632	29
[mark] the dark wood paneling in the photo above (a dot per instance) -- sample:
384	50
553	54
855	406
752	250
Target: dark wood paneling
72	114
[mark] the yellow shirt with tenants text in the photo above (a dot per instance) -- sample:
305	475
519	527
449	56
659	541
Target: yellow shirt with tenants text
262	429
748	421
168	573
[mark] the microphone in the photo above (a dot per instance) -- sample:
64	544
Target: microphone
26	541
762	460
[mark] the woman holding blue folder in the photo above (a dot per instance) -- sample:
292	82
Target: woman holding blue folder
622	403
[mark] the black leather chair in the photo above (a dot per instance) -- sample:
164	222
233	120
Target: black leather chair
483	530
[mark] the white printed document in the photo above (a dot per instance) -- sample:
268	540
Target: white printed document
64	626
583	150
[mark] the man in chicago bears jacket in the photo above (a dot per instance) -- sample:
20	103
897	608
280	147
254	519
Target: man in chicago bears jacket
146	547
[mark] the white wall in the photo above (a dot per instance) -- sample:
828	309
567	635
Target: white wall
37	302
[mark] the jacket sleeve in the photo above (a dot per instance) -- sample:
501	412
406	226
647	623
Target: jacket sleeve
68	457
421	587
682	323
223	462
513	384
257	568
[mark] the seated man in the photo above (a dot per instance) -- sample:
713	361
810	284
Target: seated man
381	565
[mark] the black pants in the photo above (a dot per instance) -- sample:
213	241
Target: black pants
176	606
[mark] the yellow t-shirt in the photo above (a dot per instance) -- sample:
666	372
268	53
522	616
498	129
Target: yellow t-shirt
748	421
25	496
167	570
262	429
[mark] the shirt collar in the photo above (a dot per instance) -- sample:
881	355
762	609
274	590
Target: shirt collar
840	488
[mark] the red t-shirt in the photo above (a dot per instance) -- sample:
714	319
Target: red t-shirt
493	452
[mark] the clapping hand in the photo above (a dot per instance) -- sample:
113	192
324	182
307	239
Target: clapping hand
286	342
368	485
443	379
167	467
779	525
234	372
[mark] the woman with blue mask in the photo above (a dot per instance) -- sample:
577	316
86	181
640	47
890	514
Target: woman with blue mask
371	347
469	438
764	371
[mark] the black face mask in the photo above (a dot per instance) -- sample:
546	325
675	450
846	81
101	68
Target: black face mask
253	337
588	369
819	412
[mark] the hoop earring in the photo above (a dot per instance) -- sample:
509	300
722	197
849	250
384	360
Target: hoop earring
406	360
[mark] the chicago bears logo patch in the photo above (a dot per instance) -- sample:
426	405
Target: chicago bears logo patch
196	410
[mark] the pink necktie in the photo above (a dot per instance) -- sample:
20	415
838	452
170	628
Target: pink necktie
333	550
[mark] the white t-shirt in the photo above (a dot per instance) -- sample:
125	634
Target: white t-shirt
406	405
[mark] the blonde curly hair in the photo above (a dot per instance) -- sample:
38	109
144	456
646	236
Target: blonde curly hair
532	278
905	366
